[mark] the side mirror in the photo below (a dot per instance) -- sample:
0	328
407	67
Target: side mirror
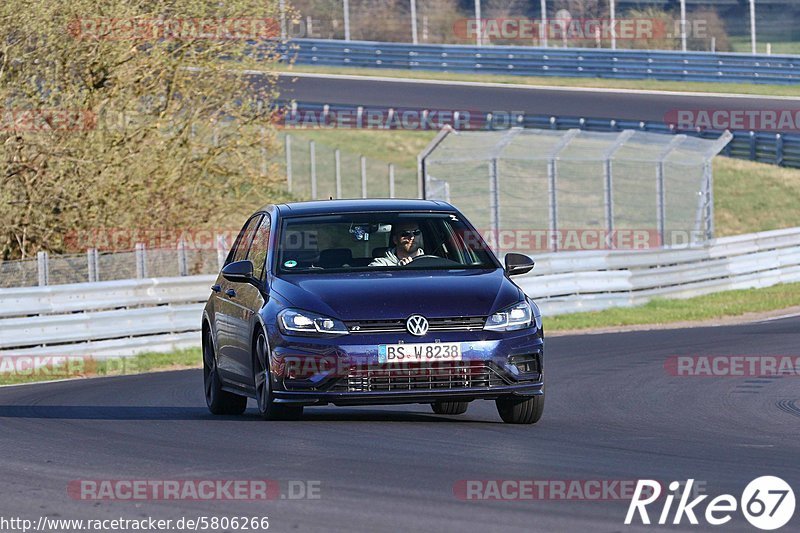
518	264
239	271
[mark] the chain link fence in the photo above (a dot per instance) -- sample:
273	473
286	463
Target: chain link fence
710	25
106	266
540	190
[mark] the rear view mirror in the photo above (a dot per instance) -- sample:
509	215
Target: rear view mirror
518	264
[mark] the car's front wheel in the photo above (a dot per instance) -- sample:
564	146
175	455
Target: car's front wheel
515	410
450	408
267	407
220	402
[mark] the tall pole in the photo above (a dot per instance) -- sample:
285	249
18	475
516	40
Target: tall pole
612	5
753	26
346	20
414	22
479	35
543	30
683	25
282	8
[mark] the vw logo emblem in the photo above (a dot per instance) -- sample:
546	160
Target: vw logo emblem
417	325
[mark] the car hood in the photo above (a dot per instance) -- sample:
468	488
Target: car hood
392	295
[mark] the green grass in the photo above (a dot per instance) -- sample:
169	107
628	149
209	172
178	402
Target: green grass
12	373
742	45
661	311
651	85
750	197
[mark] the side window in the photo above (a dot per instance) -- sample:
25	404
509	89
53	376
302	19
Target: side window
239	250
258	250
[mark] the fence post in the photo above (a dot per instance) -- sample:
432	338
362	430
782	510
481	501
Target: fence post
346	13
752	146
43	263
552	179
183	268
391	180
312	154
141	260
363	177
288	150
337	156
608	186
221	251
494	204
779	149
91	262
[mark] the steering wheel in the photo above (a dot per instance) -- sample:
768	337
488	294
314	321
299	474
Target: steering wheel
441	261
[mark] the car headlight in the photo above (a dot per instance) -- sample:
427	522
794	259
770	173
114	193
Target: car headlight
518	316
297	322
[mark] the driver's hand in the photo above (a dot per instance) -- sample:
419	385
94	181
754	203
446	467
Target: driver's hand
404	261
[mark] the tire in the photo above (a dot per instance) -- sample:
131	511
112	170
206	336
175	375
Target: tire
267	408
450	408
219	402
514	410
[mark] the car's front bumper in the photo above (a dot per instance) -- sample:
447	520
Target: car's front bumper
347	370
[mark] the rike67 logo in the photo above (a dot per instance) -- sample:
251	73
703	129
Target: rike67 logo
767	503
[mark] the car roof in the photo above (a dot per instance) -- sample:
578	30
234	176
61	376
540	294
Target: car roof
331	207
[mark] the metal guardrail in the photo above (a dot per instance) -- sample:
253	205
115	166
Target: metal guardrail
125	317
571	62
771	148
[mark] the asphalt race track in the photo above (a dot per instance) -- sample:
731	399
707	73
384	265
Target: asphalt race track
587	103
613	413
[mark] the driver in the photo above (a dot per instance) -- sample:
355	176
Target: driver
406	237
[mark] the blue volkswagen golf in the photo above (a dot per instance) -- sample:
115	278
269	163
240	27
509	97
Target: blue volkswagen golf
365	302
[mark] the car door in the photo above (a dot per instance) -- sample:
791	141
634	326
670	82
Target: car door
247	302
227	311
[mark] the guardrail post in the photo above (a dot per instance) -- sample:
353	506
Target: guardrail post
288	150
391	180
43	264
222	251
337	157
779	149
183	268
92	264
312	154
141	260
752	146
363	177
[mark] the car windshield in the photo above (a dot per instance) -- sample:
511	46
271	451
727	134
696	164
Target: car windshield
380	241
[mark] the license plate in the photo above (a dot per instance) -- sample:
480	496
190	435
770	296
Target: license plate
435	351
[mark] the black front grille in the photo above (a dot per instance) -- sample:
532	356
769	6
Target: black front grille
468	323
421	376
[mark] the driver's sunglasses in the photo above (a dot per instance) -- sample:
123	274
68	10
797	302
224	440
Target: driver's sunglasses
410	233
